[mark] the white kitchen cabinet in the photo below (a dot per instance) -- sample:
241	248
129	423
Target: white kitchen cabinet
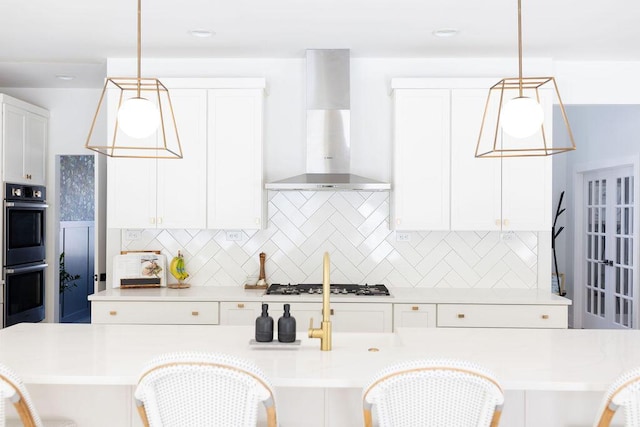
414	316
421	159
494	194
165	193
345	317
438	182
235	198
217	183
25	130
502	316
155	312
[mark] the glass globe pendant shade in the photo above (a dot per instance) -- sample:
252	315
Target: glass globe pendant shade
522	117
138	117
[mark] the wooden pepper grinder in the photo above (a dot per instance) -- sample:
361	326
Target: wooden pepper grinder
262	277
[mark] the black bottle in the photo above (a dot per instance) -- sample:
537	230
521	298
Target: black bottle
286	326
264	326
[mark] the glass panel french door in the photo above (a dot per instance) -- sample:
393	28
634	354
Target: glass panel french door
610	267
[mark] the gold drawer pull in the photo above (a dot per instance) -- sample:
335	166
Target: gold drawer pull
460	315
545	316
415	308
332	311
194	313
113	313
240	305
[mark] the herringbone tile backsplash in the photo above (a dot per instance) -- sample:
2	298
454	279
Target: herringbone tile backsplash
354	228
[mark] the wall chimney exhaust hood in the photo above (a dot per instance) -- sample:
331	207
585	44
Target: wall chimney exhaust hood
328	128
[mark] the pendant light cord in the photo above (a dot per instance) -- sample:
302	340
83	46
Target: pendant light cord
520	46
140	43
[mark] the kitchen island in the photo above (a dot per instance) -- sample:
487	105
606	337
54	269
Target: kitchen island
552	377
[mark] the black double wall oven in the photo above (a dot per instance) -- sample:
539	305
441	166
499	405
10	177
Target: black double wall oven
24	253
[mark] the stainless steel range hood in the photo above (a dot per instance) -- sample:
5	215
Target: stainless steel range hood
328	128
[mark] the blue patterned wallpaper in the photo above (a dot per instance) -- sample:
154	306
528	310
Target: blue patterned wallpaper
77	188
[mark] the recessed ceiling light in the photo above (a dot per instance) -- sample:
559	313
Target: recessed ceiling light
203	34
446	32
65	77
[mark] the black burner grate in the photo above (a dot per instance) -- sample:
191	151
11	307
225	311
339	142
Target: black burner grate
337	289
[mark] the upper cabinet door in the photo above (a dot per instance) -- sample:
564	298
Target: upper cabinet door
513	193
527	184
35	150
475	183
182	183
14	129
131	193
421	159
235	170
25	140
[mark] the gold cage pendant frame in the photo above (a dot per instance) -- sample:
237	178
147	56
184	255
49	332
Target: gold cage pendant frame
163	144
494	143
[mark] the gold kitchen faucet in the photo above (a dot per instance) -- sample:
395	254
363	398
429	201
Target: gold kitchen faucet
324	332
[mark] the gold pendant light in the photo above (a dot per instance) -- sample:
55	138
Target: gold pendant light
144	126
513	124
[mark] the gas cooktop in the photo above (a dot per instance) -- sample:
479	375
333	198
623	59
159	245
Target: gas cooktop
337	289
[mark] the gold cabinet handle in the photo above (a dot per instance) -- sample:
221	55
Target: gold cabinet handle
498	222
195	313
415	308
460	315
505	222
113	313
331	311
545	316
240	305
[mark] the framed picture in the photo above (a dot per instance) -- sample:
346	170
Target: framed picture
557	285
139	270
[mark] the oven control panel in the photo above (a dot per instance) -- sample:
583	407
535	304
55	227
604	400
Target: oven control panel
25	193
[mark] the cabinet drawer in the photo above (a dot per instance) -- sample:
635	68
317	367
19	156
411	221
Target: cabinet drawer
502	316
414	316
346	317
241	313
156	312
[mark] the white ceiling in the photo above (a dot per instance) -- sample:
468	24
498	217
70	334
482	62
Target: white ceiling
42	38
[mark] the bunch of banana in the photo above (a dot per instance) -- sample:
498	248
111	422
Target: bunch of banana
177	267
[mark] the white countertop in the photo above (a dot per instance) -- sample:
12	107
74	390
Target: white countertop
398	295
522	359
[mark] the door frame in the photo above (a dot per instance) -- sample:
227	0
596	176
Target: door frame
578	225
53	230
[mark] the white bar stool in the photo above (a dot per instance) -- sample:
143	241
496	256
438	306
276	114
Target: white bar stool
433	393
13	390
200	389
